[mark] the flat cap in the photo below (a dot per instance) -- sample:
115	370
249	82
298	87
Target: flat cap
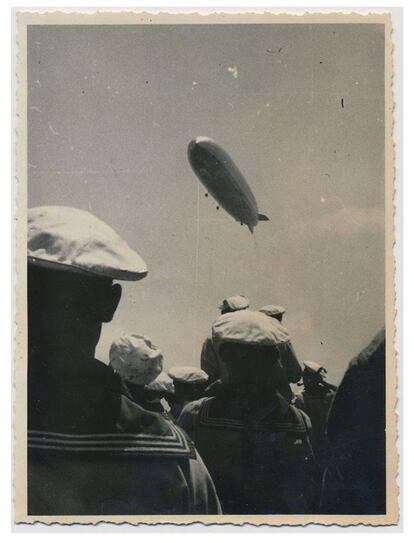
188	374
136	359
163	383
235	303
65	238
273	310
249	328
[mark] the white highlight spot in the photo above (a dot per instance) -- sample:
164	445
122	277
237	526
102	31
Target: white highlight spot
232	69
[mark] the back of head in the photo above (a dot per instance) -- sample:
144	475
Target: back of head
72	259
136	359
234	303
67	310
189	382
249	365
248	344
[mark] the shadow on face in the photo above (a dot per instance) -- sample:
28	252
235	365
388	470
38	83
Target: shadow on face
66	310
250	365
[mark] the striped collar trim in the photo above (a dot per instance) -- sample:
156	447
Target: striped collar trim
233	424
176	444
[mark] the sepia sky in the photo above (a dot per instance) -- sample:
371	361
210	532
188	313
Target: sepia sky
301	111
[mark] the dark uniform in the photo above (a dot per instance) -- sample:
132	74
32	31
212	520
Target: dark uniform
210	361
316	400
93	451
257	451
355	483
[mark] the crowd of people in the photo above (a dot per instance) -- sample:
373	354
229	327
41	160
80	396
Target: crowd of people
231	436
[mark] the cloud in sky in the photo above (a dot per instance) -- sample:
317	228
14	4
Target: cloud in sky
345	222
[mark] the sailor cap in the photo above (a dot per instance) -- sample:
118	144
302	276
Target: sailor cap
235	303
136	359
188	374
249	328
65	238
273	310
163	383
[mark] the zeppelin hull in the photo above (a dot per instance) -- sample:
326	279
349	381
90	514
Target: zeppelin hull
223	180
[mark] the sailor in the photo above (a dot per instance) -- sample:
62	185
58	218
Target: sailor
189	385
254	443
210	361
138	362
316	399
290	365
91	450
355	483
274	311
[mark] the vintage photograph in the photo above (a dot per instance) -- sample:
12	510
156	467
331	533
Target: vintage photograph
205	306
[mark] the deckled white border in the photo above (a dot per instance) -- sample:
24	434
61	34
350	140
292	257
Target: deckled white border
219	18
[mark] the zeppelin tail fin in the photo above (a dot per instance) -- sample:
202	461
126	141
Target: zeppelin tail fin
262	217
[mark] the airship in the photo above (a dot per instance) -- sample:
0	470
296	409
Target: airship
224	181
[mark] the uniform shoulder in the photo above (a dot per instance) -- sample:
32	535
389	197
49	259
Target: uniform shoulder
299	401
301	415
195	406
138	433
189	415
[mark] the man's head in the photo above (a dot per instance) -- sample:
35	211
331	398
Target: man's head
161	387
136	359
234	303
67	309
189	383
248	344
273	311
73	258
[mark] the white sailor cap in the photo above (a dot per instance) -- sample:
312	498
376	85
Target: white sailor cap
235	303
188	374
65	238
163	383
136	359
273	310
314	367
249	328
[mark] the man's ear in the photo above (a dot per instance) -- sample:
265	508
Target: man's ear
111	303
